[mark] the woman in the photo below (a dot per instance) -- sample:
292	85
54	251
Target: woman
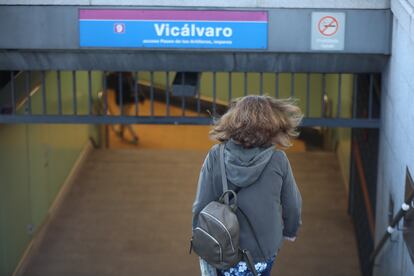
266	189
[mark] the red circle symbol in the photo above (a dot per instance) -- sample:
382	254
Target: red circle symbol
328	25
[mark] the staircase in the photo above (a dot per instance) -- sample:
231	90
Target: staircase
326	244
129	213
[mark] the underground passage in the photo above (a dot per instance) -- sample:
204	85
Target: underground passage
110	122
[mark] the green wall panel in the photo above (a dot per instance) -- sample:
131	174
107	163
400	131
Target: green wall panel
36	159
38	170
15	190
2	229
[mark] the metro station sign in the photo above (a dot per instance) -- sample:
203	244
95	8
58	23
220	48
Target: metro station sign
196	29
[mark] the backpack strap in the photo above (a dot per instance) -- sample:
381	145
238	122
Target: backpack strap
237	190
223	174
249	261
254	233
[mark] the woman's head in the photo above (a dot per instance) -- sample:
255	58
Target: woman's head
257	121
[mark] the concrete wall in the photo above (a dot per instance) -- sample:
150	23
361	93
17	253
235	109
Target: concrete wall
34	162
396	137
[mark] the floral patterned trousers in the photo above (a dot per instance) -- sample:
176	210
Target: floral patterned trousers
262	268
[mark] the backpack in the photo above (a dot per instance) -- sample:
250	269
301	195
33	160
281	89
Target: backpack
216	235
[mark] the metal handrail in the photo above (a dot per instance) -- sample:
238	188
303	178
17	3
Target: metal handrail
405	208
364	187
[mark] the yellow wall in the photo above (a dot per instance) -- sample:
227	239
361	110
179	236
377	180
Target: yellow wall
238	88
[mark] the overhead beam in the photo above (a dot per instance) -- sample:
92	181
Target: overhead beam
289	30
84	119
190	61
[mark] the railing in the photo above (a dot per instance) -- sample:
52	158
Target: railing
363	176
405	208
69	96
361	203
364	187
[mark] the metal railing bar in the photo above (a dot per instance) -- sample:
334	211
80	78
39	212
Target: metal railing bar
28	87
167	92
44	100
120	93
13	96
152	92
323	94
59	87
261	83
183	106
277	85
107	137
182	96
245	83
90	102
377	87
140	92
354	96
230	88
74	100
135	78
23	103
371	92
95	119
307	94
105	93
184	101
405	208
199	95
214	93
339	104
324	122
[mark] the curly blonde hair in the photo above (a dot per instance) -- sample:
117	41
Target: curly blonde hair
258	121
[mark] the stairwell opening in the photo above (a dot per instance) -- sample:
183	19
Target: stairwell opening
341	119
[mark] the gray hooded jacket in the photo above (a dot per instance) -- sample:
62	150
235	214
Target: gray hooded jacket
269	195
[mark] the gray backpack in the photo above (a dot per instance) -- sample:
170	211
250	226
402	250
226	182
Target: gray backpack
216	235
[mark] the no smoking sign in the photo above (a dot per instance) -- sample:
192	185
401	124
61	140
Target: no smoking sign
328	31
328	25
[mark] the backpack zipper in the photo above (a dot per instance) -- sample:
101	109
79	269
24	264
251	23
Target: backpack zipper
216	219
211	237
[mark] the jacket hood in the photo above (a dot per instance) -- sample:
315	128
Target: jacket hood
244	166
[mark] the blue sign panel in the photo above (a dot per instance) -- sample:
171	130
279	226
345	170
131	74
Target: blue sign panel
173	29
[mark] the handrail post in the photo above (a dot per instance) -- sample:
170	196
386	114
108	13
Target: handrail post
405	208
